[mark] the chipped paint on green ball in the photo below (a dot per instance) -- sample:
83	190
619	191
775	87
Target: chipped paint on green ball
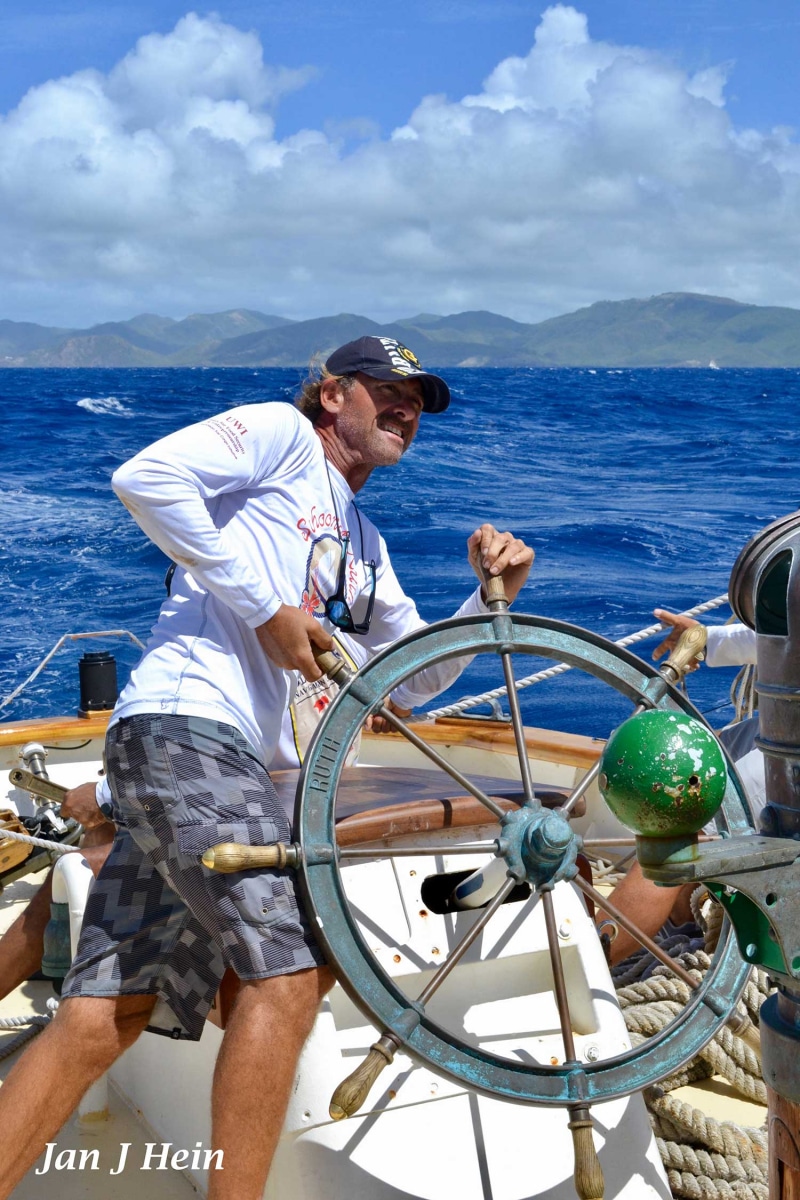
663	774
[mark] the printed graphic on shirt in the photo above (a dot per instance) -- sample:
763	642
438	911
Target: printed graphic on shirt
322	574
326	537
311	702
230	430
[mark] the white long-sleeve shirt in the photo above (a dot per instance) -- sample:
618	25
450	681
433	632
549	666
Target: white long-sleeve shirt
248	508
730	645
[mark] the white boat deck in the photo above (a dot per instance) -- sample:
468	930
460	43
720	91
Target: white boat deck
461	1142
455	1136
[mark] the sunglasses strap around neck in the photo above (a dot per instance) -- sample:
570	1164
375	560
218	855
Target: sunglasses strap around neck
339	528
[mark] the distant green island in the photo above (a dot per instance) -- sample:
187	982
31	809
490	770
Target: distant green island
677	329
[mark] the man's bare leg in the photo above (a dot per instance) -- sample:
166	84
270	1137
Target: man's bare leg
21	944
268	1027
46	1085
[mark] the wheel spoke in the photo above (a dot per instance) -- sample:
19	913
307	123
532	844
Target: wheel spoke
559	982
580	789
412	851
589	1182
713	999
519	731
625	923
435	757
460	950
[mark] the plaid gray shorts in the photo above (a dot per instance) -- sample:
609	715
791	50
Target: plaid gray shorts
157	921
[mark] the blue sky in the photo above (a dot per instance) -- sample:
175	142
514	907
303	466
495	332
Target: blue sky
387	158
376	59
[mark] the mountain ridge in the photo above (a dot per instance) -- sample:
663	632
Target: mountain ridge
674	329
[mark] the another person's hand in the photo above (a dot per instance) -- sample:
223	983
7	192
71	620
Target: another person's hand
679	623
80	803
287	638
379	724
494	553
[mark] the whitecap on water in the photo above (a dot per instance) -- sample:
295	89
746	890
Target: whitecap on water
105	404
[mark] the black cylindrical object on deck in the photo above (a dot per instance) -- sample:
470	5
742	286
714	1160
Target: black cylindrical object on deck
97	671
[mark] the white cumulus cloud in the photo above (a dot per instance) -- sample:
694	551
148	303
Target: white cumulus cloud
581	170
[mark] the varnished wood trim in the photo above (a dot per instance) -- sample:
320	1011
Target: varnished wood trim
430	816
54	729
550	745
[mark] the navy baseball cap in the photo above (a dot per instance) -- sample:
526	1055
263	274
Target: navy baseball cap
386	358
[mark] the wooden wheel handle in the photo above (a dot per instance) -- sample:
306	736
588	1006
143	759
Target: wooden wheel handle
691	645
228	857
332	665
353	1091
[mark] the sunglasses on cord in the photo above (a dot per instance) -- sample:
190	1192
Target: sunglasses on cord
337	610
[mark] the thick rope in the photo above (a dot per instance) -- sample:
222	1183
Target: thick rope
693	1187
691	1072
454	710
17	1022
35	1022
755	992
723	1137
698	1162
743	692
23	1038
704	1159
652	1003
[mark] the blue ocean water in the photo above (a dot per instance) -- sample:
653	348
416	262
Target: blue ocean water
636	488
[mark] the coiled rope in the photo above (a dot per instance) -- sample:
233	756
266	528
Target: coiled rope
454	710
31	1026
704	1159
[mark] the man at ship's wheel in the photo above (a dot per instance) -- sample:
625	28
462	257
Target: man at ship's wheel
256	506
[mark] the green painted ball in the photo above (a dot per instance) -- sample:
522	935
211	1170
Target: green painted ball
663	774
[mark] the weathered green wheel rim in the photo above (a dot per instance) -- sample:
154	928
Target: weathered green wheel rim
373	990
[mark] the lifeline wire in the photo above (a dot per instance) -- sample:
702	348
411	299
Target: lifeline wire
453	710
67	637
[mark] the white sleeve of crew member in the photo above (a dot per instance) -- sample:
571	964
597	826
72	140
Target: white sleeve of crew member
166	486
730	645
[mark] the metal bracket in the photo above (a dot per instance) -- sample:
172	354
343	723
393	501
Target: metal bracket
756	881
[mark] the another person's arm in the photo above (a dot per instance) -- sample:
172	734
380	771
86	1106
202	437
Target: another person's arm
644	903
727	645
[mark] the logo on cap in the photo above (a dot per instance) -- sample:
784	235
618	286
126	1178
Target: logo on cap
403	360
